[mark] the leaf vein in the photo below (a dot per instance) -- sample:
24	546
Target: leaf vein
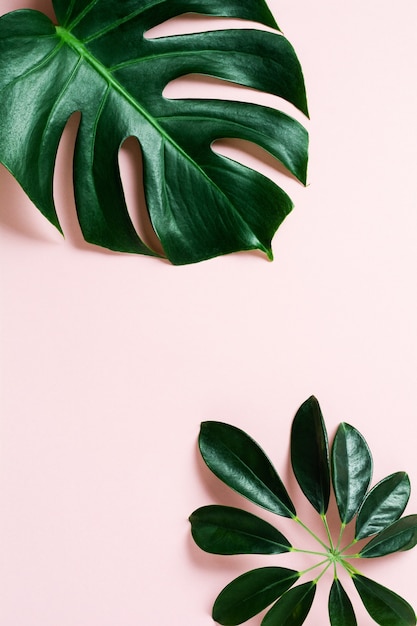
258	480
54	108
179	54
35	67
123	20
82	15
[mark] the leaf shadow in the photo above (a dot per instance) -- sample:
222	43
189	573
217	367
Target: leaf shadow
16	212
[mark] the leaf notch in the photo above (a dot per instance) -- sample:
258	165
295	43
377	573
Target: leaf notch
99	62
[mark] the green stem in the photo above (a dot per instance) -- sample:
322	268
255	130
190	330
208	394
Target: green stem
349	545
349	568
323	572
326	525
314	567
342	530
310	532
351	556
309	552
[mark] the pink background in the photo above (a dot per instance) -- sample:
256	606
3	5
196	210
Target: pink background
109	363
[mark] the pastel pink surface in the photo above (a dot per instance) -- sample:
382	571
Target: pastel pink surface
109	363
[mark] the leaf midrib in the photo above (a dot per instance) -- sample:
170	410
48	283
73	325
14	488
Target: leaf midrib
379	593
247	533
82	51
259	481
74	43
379	508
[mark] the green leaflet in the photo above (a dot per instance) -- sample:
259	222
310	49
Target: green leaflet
341	611
98	61
238	461
310	454
384	606
250	593
227	530
383	505
351	470
400	536
293	607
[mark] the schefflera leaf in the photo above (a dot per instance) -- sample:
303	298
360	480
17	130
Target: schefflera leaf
293	607
383	505
400	536
383	605
227	530
98	61
251	593
351	463
238	461
341	611
310	454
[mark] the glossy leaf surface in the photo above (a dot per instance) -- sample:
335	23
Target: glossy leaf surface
351	463
383	505
98	61
400	536
251	593
238	461
310	454
384	606
227	530
293	607
341	611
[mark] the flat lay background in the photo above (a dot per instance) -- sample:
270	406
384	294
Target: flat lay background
108	362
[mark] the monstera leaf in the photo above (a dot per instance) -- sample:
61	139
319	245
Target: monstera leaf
98	61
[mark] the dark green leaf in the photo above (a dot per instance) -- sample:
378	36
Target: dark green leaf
292	608
384	606
99	62
238	461
227	530
383	505
351	470
400	536
250	593
341	611
310	454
